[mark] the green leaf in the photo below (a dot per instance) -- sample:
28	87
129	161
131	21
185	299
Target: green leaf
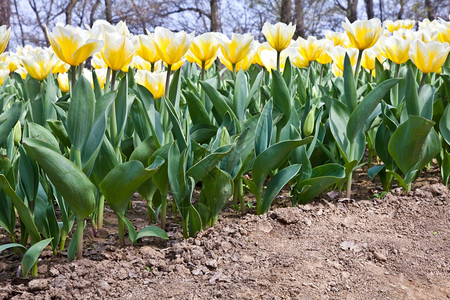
11	245
444	125
30	257
445	167
365	108
218	101
67	178
272	158
217	189
39	132
195	221
80	116
411	96
276	184
59	131
240	95
177	128
120	184
414	144
22	210
322	177
203	167
197	110
8	120
263	134
349	85
282	101
152	231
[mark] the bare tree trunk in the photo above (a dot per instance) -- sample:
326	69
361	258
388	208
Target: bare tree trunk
352	10
369	8
429	10
299	16
108	11
286	11
69	9
92	15
5	12
216	24
19	20
401	10
382	10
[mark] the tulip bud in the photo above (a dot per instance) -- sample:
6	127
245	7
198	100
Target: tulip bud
17	132
308	126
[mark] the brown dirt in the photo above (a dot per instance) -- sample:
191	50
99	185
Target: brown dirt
391	248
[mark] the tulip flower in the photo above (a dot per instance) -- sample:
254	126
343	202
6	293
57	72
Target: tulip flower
11	61
244	63
363	34
399	24
237	49
37	64
146	49
443	32
279	36
337	54
63	81
118	51
101	76
72	44
395	49
338	38
4	72
171	46
203	50
259	48
369	57
428	57
311	48
5	34
154	82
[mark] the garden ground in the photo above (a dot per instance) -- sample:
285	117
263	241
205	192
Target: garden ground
368	248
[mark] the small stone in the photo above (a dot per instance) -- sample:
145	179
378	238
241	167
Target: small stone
104	285
54	272
212	263
379	256
38	284
196	272
307	221
247	258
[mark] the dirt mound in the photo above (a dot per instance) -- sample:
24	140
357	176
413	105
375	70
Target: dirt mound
390	248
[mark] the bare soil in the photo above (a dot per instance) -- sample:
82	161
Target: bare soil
391	248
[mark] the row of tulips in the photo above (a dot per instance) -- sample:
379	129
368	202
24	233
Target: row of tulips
282	113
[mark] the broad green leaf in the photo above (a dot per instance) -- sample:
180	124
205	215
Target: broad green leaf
59	131
203	167
444	125
22	210
445	167
272	158
411	96
414	144
218	101
276	184
197	110
240	95
120	184
322	177
8	120
152	231
80	116
263	134
11	245
365	108
176	122
282	102
217	189
39	132
349	86
67	178
30	257
195	221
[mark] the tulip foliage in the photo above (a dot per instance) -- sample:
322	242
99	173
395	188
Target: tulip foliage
193	124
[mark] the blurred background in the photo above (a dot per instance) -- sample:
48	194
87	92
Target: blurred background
29	18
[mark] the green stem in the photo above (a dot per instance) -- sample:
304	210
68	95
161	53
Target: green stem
113	80
62	244
77	156
80	229
34	270
203	78
278	60
166	91
108	78
258	202
422	82
321	74
358	66
73	78
234	72
185	229
121	226
307	76
152	67
408	188
238	192
101	207
163	211
80	69
350	175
